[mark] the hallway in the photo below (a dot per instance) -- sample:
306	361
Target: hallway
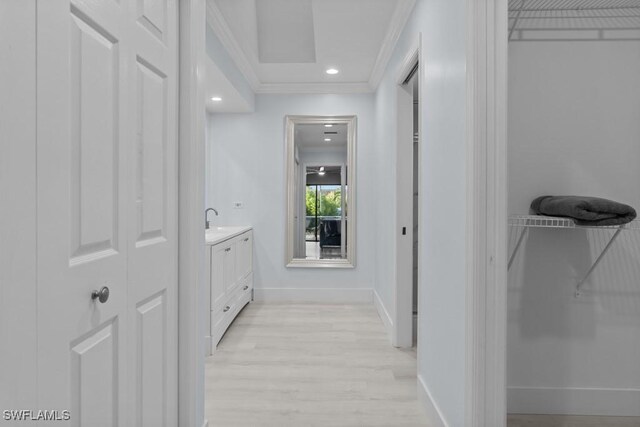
310	365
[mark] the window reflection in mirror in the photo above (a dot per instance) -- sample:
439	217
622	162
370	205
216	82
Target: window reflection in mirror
319	190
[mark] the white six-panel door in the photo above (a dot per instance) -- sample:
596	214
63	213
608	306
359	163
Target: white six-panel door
107	210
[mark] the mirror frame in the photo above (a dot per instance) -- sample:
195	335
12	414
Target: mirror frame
290	123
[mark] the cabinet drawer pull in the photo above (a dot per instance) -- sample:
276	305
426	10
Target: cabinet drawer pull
227	249
245	288
246	239
226	309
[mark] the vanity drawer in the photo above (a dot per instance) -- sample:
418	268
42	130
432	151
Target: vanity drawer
220	321
246	286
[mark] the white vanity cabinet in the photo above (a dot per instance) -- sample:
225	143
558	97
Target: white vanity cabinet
230	278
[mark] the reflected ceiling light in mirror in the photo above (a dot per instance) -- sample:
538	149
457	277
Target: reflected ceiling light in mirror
332	71
216	98
321	171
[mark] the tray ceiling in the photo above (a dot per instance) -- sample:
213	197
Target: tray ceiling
285	46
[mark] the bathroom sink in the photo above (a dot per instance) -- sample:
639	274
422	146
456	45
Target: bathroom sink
215	235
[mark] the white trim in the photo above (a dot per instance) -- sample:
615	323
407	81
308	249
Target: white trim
220	27
314	295
402	333
313	88
191	255
383	313
396	26
434	415
574	401
485	341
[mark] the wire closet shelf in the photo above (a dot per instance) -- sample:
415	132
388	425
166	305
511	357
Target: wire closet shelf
558	20
526	222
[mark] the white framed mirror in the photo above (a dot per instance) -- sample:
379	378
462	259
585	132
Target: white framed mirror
321	191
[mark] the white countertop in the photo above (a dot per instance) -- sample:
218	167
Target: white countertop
215	235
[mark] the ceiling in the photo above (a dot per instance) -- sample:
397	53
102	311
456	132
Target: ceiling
313	136
216	84
285	46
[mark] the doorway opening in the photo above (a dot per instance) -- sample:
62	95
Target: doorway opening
407	213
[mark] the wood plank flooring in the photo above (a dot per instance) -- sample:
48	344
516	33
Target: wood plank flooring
310	365
325	365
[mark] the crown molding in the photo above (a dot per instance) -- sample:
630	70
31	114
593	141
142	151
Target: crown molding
314	88
398	21
220	27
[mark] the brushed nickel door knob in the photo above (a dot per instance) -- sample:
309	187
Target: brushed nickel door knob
102	295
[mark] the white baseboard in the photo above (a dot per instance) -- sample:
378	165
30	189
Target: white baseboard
574	401
314	295
207	345
434	415
384	314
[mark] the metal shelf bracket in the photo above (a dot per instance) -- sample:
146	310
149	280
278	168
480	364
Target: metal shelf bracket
597	261
515	250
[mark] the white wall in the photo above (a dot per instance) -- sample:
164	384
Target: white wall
314	156
441	331
246	163
574	128
218	54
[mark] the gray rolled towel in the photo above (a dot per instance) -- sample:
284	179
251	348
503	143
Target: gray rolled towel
584	210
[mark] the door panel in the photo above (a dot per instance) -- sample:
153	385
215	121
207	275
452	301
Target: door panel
81	214
152	14
153	219
93	120
151	174
151	364
244	259
229	268
107	210
217	283
94	377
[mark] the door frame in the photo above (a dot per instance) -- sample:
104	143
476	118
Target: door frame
402	330
486	220
342	166
191	256
486	253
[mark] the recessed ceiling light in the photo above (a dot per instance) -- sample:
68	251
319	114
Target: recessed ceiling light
328	126
332	71
216	99
327	140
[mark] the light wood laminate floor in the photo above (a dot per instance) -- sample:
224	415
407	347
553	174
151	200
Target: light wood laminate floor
310	365
326	365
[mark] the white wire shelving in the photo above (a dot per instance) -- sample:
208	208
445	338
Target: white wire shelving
555	20
526	222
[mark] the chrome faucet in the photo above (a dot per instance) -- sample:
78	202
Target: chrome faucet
206	217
